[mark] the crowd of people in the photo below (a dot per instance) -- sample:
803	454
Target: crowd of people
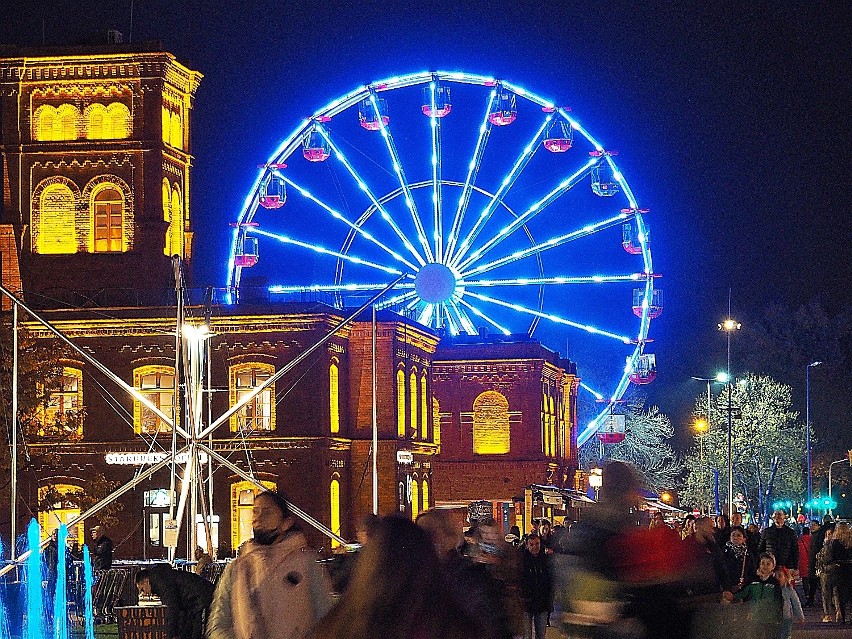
602	577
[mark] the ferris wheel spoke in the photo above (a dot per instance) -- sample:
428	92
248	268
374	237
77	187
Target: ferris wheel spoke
334	288
284	239
472	173
473	309
338	154
506	184
426	314
537	207
387	136
435	125
549	316
461	315
557	279
357	229
551	243
396	299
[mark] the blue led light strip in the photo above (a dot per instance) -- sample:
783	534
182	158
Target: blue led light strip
472	172
463	319
548	244
339	216
338	154
507	182
387	136
549	316
396	299
479	313
333	288
563	187
435	124
426	315
324	251
557	279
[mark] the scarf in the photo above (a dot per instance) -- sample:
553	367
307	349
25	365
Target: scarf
738	551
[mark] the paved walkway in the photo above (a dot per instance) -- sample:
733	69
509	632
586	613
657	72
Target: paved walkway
813	628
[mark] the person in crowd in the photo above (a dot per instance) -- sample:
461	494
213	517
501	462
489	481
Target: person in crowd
740	564
185	595
101	549
688	526
838	564
536	587
445	535
274	589
781	541
398	589
723	530
753	538
545	533
657	520
202	560
828	577
791	605
818	532
765	601
809	581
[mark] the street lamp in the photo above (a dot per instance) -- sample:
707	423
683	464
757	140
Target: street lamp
849	459
729	325
808	427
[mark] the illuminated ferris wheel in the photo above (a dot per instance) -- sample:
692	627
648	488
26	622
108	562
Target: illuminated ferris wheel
498	206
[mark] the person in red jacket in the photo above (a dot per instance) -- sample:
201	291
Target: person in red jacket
810	582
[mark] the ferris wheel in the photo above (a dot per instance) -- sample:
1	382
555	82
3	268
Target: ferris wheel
499	208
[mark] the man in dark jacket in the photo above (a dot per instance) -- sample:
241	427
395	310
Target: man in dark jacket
536	586
102	547
781	541
185	594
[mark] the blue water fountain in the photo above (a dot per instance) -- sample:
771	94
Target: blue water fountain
89	582
60	598
35	623
4	614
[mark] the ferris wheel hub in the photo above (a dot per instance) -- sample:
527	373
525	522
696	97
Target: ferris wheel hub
435	283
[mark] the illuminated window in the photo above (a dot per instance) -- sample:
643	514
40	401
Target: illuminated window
491	424
167	217
400	403
46	124
412	388
157	503
108	214
95	117
424	414
257	415
55	221
167	124
176	130
157	384
242	501
415	498
545	427
69	122
59	504
175	231
334	496
425	494
118	117
436	421
554	442
334	398
62	414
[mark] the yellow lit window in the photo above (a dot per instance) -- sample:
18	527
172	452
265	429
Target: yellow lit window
545	429
425	492
59	504
334	500
554	442
167	217
61	416
95	118
56	232
400	403
176	130
46	121
69	122
415	498
257	415
436	421
412	388
424	414
119	123
242	501
491	424
334	398
108	216
176	223
166	124
157	384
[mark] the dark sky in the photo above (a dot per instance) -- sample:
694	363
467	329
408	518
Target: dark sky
731	118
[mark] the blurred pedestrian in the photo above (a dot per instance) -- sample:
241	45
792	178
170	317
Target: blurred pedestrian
275	589
202	560
398	589
792	606
781	541
536	587
809	580
723	530
101	549
185	595
838	564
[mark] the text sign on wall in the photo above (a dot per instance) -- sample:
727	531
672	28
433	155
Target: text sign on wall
149	459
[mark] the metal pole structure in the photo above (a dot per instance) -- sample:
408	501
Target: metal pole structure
375	421
14	487
808	429
176	400
730	439
830	509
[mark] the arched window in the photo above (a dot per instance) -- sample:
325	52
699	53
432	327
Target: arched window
118	117
95	117
545	426
424	414
400	403
491	424
436	421
176	222
166	124
157	384
167	217
412	388
59	504
69	122
258	414
334	398
242	501
554	442
46	124
425	492
61	415
108	215
176	131
55	221
415	498
334	501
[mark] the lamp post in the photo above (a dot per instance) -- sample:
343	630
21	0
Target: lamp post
729	325
721	378
808	428
830	509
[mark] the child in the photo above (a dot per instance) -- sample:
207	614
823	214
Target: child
764	598
792	605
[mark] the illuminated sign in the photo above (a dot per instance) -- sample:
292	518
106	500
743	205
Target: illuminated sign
147	459
404	457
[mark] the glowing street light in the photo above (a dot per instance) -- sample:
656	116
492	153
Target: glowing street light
808	427
729	325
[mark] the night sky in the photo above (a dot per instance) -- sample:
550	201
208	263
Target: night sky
731	119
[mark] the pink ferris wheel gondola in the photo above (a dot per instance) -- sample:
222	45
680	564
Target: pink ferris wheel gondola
373	113
442	103
505	109
559	137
